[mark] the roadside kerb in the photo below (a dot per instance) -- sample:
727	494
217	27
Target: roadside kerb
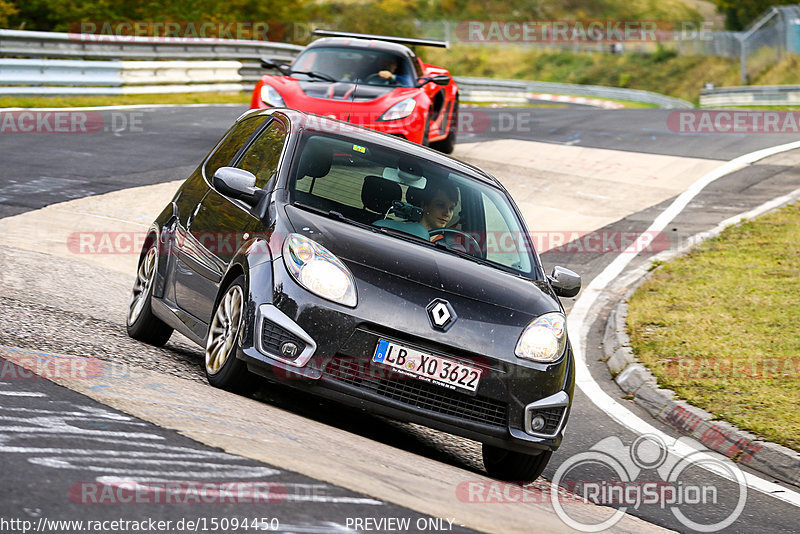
637	381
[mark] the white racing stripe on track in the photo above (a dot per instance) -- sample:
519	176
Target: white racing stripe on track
579	324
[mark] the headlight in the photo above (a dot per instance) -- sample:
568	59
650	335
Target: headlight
271	97
319	271
544	339
400	110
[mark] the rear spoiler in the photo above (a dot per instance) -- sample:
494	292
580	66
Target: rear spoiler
399	40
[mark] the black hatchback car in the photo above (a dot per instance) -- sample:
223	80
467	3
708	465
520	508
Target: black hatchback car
363	268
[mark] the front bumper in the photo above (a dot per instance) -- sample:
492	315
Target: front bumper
332	358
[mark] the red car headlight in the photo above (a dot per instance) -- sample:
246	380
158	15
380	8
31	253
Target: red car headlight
271	97
401	110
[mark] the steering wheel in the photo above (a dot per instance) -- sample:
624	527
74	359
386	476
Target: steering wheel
445	231
375	78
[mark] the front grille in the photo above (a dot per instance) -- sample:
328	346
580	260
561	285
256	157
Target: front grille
273	336
552	417
418	393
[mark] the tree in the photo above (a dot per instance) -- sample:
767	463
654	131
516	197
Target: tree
6	11
740	13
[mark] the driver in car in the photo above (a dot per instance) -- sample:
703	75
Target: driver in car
389	72
439	199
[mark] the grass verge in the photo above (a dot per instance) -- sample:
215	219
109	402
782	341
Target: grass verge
661	71
719	326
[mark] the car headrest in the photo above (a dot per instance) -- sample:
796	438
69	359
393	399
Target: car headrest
414	196
378	193
316	160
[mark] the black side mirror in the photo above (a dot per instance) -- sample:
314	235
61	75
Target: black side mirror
565	283
270	64
236	183
439	79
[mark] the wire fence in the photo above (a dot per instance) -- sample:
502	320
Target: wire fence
775	33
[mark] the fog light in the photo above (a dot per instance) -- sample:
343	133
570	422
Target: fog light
290	350
537	423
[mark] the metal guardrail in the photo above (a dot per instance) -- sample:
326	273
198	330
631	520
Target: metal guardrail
86	46
518	89
60	72
93	76
87	72
75	77
755	95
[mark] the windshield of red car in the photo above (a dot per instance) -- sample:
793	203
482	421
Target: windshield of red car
354	65
369	184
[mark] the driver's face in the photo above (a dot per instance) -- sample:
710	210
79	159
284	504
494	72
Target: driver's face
438	212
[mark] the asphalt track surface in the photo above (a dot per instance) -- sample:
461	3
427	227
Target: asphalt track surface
41	169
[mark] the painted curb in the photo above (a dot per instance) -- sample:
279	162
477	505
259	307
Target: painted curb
637	381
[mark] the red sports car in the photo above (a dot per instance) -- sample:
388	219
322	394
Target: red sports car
369	80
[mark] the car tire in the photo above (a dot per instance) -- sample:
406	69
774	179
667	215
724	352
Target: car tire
223	369
448	144
141	323
514	466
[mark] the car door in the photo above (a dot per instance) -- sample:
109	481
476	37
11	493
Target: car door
193	263
221	224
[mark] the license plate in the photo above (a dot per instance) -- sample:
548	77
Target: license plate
435	369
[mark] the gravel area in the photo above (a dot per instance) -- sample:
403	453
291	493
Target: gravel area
63	306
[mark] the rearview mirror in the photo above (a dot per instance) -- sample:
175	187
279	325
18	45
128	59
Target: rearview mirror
236	183
565	283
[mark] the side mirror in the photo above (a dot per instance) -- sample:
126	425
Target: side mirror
236	183
566	283
270	64
439	79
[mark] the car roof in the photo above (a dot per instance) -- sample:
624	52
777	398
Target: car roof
302	121
364	44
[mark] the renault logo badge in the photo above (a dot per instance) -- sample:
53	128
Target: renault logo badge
441	314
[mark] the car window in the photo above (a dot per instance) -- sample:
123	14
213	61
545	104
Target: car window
502	241
371	185
262	156
230	145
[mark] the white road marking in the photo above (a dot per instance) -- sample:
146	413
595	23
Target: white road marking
579	325
22	394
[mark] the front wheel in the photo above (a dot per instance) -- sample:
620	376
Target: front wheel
141	323
514	466
223	369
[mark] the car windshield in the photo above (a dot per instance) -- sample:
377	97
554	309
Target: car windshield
353	65
410	198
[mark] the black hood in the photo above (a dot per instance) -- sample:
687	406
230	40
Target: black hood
418	264
343	90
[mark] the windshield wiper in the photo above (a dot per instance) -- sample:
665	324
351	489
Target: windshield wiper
331	214
398	233
464	254
315	74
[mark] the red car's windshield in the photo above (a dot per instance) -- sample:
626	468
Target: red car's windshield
353	65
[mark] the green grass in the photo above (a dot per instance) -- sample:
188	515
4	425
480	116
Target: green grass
721	326
661	71
120	100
